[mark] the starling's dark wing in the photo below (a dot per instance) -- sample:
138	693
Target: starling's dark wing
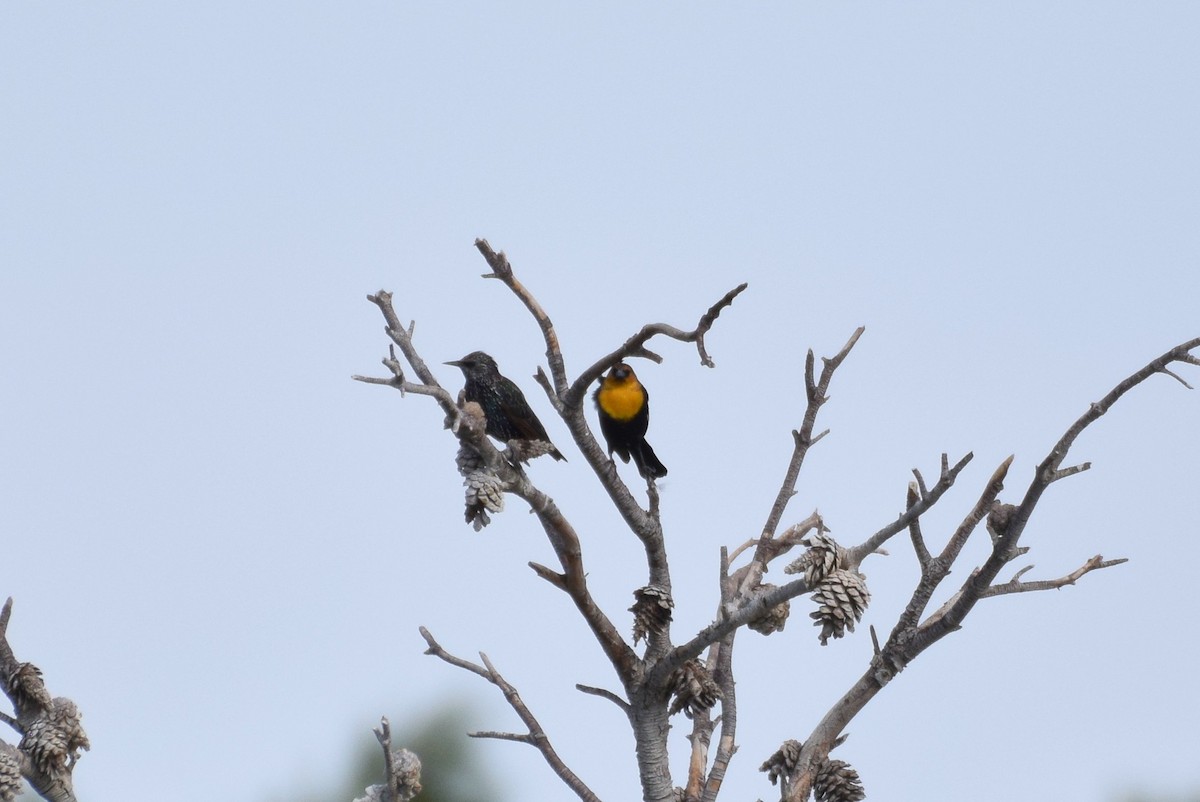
521	418
520	415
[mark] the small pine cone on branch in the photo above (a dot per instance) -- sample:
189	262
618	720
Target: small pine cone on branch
999	518
823	557
773	619
485	492
695	690
837	781
10	773
406	774
53	740
841	600
27	690
651	611
782	764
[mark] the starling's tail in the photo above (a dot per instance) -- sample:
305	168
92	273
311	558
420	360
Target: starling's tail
646	461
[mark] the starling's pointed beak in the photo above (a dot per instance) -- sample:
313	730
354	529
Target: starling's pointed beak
455	364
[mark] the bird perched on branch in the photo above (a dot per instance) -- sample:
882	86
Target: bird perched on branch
508	414
624	407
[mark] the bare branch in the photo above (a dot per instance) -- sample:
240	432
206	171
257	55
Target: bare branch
914	527
553	577
1015	585
803	439
726	744
717	630
923	491
535	737
525	738
1074	469
502	270
945	481
383	734
604	694
559	532
402	337
635	346
1005	546
1177	377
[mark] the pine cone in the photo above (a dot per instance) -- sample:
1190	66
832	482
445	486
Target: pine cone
694	688
773	619
53	740
406	774
484	492
998	519
838	782
841	600
10	773
27	690
651	611
782	764
823	557
373	793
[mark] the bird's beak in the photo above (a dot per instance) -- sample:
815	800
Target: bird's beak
455	364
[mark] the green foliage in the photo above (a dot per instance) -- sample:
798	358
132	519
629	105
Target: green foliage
451	768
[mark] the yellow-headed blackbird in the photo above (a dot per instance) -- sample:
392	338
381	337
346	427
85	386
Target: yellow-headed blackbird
624	407
508	414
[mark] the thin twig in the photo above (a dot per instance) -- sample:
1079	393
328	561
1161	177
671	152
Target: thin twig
604	694
1048	471
383	734
914	530
536	735
635	346
502	270
945	481
803	439
523	738
1015	585
949	618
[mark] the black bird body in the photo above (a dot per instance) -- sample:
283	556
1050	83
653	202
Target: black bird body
624	408
508	414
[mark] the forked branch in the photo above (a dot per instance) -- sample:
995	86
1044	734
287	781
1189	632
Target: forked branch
907	641
534	736
1017	585
816	392
635	346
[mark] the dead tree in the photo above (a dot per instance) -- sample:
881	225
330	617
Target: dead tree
693	674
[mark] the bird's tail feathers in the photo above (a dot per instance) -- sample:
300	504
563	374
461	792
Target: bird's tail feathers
647	462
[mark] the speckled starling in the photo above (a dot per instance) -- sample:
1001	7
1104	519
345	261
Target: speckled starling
624	407
508	414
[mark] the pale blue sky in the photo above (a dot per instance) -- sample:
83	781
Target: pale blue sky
221	547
